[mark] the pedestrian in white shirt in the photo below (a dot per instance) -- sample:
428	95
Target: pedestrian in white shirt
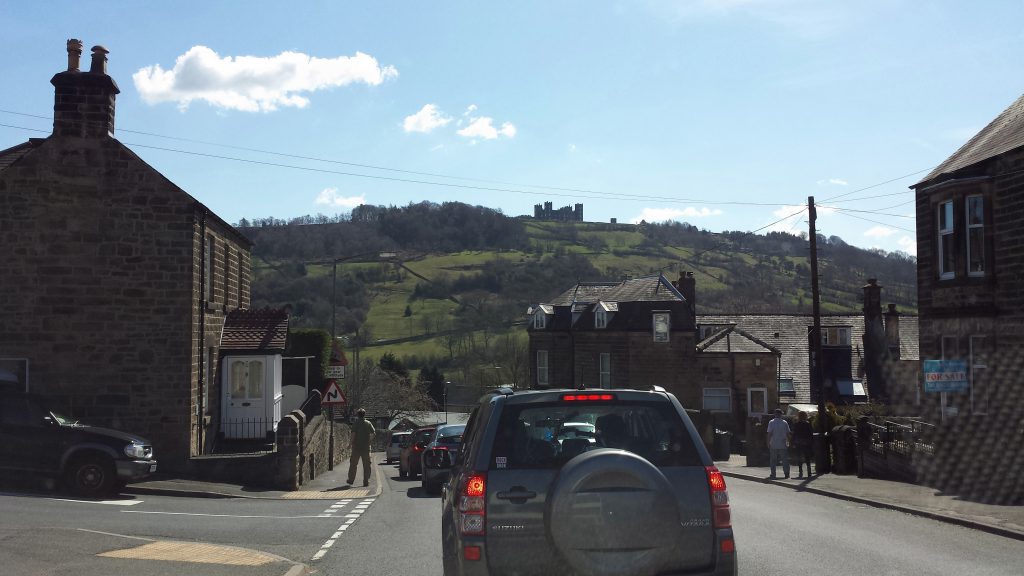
778	442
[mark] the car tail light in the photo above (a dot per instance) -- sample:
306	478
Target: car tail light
587	397
472	505
721	517
471	552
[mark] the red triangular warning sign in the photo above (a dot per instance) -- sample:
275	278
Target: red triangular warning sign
333	396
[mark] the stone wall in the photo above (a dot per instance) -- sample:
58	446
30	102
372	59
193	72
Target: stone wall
303	449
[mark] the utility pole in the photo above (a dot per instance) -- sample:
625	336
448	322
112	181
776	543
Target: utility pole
817	368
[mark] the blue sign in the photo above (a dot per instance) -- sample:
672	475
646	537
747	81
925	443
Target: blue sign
945	376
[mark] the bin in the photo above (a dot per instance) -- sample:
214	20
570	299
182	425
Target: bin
722	445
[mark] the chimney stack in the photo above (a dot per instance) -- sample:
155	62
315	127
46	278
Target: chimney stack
892	331
83	105
687	286
74	54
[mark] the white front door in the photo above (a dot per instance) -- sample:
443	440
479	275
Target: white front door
245	398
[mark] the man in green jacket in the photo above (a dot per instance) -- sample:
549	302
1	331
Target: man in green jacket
362	438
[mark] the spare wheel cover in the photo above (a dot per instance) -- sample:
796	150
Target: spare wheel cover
613	512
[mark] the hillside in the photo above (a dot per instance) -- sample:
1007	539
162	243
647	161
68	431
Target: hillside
467	298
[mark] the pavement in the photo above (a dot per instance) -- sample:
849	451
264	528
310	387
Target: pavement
1004	520
331	485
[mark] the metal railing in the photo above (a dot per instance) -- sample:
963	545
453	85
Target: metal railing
247	428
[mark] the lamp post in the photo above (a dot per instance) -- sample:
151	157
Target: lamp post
444	398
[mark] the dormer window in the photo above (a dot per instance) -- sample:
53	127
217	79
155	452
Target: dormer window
600	318
540	319
660	326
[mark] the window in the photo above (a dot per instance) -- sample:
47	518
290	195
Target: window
547	435
835	336
542	367
979	373
246	379
238	286
975	236
946	254
540	319
227	274
211	375
605	369
661	326
786	386
757	400
717	400
600	318
208	252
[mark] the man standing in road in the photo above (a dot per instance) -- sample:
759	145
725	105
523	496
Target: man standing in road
778	442
362	438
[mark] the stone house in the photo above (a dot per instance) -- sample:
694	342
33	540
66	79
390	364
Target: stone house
970	269
116	282
641	332
863	359
635	333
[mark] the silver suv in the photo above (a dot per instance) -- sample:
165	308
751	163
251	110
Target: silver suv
595	482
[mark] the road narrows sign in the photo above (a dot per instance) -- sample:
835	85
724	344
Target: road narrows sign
333	396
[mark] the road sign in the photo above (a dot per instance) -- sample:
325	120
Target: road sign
335	371
333	396
945	376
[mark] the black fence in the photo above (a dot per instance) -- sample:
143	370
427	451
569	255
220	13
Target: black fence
247	429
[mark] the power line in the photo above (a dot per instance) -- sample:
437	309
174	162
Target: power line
876	212
876	185
880	223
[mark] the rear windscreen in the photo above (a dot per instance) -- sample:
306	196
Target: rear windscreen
549	435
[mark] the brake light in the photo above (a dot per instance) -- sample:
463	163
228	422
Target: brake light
417	448
721	517
587	397
472	507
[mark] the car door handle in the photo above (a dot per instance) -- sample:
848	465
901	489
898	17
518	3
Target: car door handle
517	493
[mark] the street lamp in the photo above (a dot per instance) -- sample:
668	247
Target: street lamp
444	398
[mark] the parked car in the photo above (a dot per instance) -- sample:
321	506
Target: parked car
643	498
90	461
409	462
394	450
439	455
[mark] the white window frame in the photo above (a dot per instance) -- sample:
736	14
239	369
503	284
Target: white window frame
969	228
979	394
600	318
717	393
542	368
792	385
540	319
750	401
663	335
942	233
604	368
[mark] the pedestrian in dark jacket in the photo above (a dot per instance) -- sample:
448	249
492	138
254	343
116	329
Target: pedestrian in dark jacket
803	440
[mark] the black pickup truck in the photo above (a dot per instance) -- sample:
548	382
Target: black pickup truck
91	461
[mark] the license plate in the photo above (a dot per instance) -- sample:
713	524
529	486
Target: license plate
152	468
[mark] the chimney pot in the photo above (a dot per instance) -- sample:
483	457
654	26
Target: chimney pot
74	54
99	60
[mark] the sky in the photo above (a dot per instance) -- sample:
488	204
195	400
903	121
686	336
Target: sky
726	114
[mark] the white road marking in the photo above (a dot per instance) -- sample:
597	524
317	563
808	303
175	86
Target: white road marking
224	515
360	508
107	502
113	534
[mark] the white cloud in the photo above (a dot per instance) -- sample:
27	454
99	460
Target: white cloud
879	232
664	214
330	197
483	128
908	245
426	120
834	182
252	83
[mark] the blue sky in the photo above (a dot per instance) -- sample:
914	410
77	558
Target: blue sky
724	114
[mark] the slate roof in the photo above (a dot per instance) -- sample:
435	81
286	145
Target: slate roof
654	288
1003	134
262	331
732	339
14	153
787	333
